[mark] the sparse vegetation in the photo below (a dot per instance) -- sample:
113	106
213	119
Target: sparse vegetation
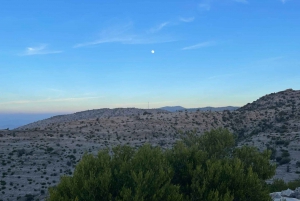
44	150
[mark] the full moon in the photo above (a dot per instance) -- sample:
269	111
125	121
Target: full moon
152	51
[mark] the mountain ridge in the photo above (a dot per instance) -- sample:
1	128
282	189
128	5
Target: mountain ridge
266	114
53	146
208	108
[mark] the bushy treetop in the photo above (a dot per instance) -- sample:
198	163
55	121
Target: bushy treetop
206	168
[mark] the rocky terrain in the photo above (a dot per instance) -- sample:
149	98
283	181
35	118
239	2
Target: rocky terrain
215	109
33	157
286	195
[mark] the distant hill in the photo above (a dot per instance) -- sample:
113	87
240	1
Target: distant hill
271	118
273	113
92	114
213	109
172	108
286	99
272	121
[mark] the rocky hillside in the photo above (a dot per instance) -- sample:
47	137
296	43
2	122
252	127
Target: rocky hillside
213	109
90	114
276	112
273	113
33	157
288	99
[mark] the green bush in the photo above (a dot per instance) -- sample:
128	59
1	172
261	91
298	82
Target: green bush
284	160
273	152
285	154
278	158
286	143
129	175
279	142
206	167
279	185
294	184
29	197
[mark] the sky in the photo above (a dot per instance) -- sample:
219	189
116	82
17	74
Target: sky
64	56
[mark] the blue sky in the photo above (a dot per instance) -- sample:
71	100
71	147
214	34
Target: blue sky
67	56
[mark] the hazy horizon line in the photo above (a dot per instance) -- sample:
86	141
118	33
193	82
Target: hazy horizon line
71	112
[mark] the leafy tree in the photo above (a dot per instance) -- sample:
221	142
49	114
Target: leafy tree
91	180
259	162
209	167
293	184
216	143
205	167
279	185
144	174
184	160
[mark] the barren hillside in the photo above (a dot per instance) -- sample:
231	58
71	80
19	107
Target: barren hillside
33	157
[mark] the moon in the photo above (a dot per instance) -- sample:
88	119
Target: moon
152	51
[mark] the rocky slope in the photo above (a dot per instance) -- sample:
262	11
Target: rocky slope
33	157
214	109
90	114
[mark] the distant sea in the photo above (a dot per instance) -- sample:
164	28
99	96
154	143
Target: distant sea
15	120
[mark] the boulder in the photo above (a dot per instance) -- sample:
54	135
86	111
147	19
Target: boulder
287	192
275	195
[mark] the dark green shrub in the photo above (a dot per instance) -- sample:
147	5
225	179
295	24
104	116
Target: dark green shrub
29	197
294	184
278	159
273	153
206	167
21	152
49	149
277	186
285	154
286	143
284	160
130	175
279	142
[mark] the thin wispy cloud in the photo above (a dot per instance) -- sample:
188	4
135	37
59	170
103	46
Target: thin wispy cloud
242	1
158	28
283	1
204	6
220	76
42	49
189	19
200	45
117	29
107	39
113	34
128	40
123	34
150	40
47	100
